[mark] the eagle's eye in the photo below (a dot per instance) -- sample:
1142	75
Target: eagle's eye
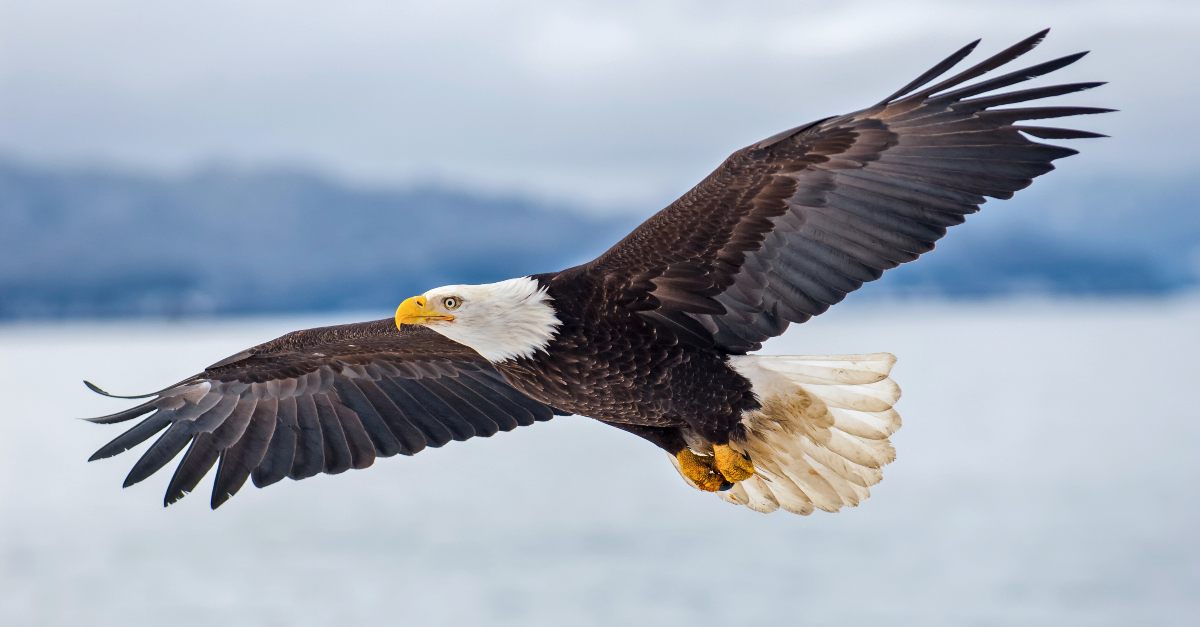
450	303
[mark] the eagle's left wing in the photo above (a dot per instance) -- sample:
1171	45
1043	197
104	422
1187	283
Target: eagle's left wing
788	226
320	400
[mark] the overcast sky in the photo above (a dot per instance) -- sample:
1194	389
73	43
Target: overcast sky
614	103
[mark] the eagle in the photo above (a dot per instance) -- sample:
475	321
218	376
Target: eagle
656	336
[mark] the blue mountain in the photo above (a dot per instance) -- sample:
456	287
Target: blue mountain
89	242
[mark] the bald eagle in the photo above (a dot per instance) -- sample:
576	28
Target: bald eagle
655	335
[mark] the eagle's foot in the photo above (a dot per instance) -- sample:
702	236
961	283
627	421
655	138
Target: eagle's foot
731	464
700	470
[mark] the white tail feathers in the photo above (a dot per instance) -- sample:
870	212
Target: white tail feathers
820	439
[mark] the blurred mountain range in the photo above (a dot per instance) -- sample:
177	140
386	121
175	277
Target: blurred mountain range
90	242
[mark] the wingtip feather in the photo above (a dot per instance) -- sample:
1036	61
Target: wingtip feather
1036	38
101	391
937	70
218	499
997	60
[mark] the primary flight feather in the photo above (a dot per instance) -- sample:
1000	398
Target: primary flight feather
653	336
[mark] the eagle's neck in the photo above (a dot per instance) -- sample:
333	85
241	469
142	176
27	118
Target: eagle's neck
508	320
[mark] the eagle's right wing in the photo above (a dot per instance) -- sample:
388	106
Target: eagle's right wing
319	400
788	226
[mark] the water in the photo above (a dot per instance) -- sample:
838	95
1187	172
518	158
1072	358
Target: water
1046	476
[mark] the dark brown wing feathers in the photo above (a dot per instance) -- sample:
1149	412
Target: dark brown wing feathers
788	226
321	400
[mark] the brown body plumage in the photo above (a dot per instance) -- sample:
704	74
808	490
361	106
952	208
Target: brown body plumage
616	365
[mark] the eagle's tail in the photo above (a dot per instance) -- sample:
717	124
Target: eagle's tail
820	439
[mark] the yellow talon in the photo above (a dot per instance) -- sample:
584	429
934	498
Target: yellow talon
700	471
731	464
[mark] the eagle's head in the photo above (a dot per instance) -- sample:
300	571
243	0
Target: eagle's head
500	321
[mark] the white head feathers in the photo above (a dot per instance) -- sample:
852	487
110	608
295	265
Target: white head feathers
500	321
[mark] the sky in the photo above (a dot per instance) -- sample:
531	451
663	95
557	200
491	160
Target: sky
609	104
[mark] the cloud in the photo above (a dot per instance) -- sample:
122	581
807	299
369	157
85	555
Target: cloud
618	104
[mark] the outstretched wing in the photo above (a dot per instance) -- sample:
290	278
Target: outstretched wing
788	226
321	400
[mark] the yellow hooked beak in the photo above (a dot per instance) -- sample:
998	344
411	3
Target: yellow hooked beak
415	310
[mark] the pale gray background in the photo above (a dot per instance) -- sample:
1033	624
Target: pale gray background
619	103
